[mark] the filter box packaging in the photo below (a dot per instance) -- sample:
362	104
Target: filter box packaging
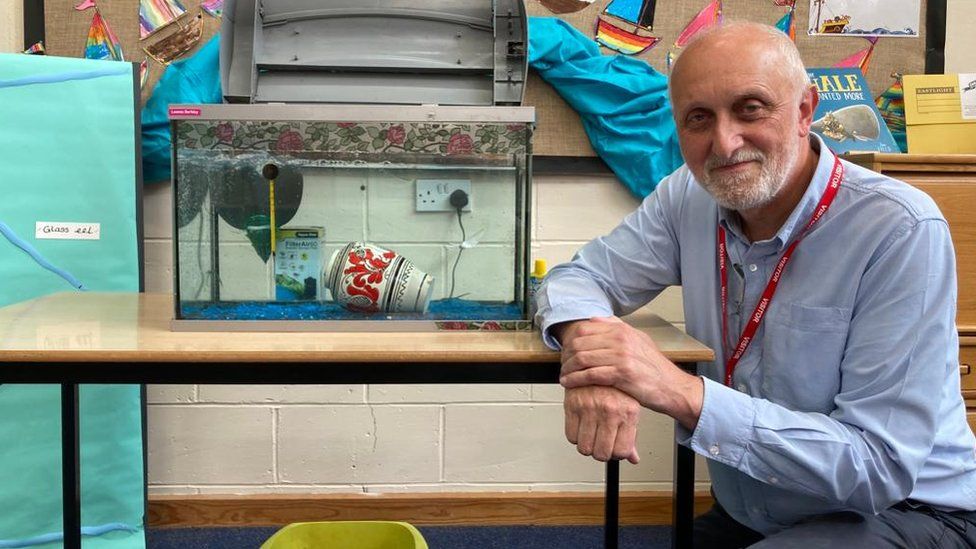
298	263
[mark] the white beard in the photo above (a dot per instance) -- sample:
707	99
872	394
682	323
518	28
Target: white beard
742	191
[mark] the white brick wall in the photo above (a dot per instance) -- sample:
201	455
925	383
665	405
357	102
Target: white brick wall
355	205
394	438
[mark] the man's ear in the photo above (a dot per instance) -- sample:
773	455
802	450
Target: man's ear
808	106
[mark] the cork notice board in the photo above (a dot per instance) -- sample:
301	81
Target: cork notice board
66	30
560	133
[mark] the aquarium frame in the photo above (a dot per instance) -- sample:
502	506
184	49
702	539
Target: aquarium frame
342	113
360	114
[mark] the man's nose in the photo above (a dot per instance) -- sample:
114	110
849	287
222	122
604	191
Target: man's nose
727	137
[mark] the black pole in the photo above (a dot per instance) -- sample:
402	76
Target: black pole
70	466
684	497
33	22
145	457
935	36
612	505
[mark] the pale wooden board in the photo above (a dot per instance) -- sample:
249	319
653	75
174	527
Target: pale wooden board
130	327
560	133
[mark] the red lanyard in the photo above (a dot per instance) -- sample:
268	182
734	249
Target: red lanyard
767	296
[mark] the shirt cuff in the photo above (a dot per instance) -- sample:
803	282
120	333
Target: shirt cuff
725	425
556	315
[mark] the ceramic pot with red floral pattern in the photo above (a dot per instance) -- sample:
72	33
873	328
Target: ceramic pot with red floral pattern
369	279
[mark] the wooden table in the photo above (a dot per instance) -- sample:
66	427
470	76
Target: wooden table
76	338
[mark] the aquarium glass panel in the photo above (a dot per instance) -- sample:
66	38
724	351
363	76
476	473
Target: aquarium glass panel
302	219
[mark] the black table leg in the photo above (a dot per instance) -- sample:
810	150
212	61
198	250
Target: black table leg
612	505
70	466
684	497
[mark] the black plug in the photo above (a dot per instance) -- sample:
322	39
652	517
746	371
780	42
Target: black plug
458	199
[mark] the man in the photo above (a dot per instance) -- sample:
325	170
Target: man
832	415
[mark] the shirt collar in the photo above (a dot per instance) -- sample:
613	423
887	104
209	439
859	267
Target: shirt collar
730	220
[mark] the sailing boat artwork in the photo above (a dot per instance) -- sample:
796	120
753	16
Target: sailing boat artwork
861	58
627	26
708	17
102	42
787	23
156	14
565	6
864	17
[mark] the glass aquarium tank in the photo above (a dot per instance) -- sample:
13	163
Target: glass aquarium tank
351	217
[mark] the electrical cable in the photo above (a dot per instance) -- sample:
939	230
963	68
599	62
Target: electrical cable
458	258
458	199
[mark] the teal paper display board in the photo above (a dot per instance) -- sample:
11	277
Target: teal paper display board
69	162
68	155
112	475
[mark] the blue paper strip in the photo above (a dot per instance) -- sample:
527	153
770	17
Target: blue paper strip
31	251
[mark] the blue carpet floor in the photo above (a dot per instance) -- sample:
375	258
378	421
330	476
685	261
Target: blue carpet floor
439	537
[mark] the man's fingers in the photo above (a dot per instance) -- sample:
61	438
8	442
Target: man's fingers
604	441
572	425
600	375
596	325
589	359
587	435
625	444
607	320
606	339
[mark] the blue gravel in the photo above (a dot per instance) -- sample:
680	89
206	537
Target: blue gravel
442	309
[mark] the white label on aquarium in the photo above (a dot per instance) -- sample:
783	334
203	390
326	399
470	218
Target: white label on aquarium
67	231
176	111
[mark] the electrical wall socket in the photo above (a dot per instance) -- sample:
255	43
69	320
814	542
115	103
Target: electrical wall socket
433	195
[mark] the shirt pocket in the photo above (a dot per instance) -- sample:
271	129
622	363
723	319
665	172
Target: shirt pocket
802	350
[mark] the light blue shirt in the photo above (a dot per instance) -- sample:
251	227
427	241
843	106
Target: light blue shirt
848	398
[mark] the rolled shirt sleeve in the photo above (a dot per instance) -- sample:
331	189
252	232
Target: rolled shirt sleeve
620	272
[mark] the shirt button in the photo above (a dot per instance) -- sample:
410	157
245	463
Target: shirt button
741	388
714	449
773	480
753	267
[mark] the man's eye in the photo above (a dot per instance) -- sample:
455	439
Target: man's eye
751	108
696	118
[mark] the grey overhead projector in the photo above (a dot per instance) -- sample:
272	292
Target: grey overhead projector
446	52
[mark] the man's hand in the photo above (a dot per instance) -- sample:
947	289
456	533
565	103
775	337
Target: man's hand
602	422
611	353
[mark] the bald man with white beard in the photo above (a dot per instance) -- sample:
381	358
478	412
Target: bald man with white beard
832	415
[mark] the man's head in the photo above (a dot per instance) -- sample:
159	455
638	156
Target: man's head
743	106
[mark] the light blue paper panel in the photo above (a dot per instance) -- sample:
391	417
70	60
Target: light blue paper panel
111	456
68	154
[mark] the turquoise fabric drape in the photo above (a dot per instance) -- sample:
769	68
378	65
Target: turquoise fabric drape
195	79
622	102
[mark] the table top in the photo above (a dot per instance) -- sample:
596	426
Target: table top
130	327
